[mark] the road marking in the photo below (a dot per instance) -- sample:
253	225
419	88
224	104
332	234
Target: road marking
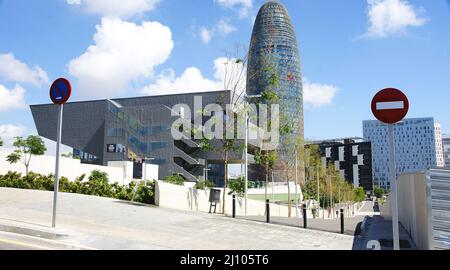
17	243
394	105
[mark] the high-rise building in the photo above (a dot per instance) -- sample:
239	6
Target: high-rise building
274	51
440	162
446	148
352	157
416	143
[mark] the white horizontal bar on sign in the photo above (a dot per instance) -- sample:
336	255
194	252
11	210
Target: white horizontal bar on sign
394	105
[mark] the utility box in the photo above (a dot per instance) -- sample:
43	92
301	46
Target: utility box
214	196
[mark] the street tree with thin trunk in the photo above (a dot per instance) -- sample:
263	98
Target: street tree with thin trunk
26	149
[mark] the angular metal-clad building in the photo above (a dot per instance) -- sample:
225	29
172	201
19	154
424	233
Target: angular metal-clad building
131	129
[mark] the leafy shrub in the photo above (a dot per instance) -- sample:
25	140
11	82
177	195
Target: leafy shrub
174	179
379	192
360	195
204	185
145	193
238	186
97	185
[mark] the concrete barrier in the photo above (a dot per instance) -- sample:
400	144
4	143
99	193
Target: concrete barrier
70	168
190	199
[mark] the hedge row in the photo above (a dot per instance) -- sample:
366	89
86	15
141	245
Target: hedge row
96	185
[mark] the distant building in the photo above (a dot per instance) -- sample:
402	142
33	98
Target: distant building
352	157
446	148
418	145
440	162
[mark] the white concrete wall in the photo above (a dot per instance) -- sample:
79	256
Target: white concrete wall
189	199
127	170
152	172
412	208
70	168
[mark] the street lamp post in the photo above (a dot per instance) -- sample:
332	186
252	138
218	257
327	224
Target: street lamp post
205	173
246	148
296	182
318	191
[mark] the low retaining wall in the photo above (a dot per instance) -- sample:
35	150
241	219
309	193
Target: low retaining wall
70	168
189	199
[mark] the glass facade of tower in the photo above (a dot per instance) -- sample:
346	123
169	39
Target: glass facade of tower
274	45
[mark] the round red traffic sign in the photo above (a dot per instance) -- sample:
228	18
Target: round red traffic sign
390	105
60	91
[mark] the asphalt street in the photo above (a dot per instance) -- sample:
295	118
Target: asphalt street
103	223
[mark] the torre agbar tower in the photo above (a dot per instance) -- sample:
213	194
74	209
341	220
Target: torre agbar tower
274	45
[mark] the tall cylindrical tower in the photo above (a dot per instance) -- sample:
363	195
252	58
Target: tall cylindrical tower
274	50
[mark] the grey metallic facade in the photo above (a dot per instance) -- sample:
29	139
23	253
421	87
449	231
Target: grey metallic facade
139	128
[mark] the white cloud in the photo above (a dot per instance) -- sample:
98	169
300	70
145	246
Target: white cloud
123	52
243	5
205	35
223	27
192	80
12	69
390	17
12	99
8	133
116	8
318	95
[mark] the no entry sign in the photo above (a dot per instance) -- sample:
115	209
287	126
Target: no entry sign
60	91
390	105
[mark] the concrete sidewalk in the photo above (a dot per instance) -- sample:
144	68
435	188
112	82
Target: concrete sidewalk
378	235
103	223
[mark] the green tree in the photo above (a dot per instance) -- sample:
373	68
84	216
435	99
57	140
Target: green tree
359	194
26	149
237	186
1	142
379	192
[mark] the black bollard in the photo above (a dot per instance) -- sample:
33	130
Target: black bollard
234	206
305	217
342	221
267	211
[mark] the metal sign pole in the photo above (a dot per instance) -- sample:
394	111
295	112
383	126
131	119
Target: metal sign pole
296	182
57	166
393	178
246	160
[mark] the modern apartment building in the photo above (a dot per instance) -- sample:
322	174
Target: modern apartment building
418	146
352	157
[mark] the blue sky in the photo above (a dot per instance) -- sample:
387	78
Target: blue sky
349	49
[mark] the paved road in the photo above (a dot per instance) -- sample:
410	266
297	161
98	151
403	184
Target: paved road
104	223
11	241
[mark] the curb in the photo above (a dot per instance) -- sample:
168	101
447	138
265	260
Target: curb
49	235
30	230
